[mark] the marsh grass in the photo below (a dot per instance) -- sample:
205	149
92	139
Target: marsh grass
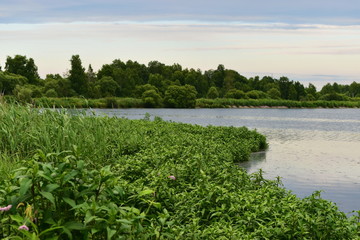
116	102
227	103
73	176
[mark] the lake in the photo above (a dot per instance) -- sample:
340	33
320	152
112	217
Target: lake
310	149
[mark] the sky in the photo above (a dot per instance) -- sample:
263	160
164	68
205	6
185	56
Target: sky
308	41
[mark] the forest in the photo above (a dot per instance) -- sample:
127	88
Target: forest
157	84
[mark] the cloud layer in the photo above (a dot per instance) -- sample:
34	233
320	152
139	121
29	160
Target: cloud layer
305	11
305	38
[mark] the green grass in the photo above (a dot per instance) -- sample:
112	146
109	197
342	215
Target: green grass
227	103
86	177
115	102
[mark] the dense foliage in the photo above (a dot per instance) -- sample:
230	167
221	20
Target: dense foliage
69	176
157	84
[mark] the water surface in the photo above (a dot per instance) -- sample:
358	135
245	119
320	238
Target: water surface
310	149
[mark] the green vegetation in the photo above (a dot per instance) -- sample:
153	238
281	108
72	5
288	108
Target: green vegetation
160	85
69	176
226	103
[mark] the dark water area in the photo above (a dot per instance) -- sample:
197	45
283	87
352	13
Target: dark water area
310	149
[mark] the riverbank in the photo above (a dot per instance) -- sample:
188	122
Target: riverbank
114	102
101	177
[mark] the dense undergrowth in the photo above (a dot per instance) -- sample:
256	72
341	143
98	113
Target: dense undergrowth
84	177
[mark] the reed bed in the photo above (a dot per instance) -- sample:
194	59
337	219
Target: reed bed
77	176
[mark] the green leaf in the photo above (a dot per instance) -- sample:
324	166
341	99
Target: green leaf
48	196
51	187
24	186
110	233
74	226
17	218
157	205
43	175
146	192
49	230
69	201
70	175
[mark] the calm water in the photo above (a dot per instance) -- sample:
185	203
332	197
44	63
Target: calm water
310	149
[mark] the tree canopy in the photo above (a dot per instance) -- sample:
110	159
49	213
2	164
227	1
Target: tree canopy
158	84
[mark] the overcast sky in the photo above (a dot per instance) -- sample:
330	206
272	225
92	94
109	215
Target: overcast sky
310	41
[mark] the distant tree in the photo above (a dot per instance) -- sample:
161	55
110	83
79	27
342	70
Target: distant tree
274	93
156	67
51	93
139	90
77	76
158	81
327	89
218	76
334	97
284	85
90	74
354	89
311	93
212	93
8	82
180	96
107	86
256	94
152	98
23	94
22	66
293	94
236	94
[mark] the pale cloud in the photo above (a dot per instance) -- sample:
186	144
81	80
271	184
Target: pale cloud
280	37
305	11
274	48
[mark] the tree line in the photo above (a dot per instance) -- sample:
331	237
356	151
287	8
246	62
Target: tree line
157	84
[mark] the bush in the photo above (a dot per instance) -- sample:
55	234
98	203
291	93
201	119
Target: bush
236	94
180	96
51	93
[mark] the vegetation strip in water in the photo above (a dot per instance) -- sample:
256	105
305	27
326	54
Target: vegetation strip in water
83	177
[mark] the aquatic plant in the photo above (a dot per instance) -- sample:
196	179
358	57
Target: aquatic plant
74	176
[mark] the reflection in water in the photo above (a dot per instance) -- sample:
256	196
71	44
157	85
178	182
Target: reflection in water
311	149
256	158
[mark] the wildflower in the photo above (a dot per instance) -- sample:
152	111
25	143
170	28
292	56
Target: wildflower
172	177
5	209
23	227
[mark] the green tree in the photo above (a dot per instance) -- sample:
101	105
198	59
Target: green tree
327	89
354	89
77	76
234	93
90	74
311	93
256	94
107	86
212	93
180	96
22	66
152	98
274	93
23	93
8	82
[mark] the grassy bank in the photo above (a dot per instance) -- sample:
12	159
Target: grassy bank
114	102
79	177
226	103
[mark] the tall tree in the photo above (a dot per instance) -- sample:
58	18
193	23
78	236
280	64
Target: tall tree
22	66
77	76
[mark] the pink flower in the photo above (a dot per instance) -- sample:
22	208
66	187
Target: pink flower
23	227
172	177
5	209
